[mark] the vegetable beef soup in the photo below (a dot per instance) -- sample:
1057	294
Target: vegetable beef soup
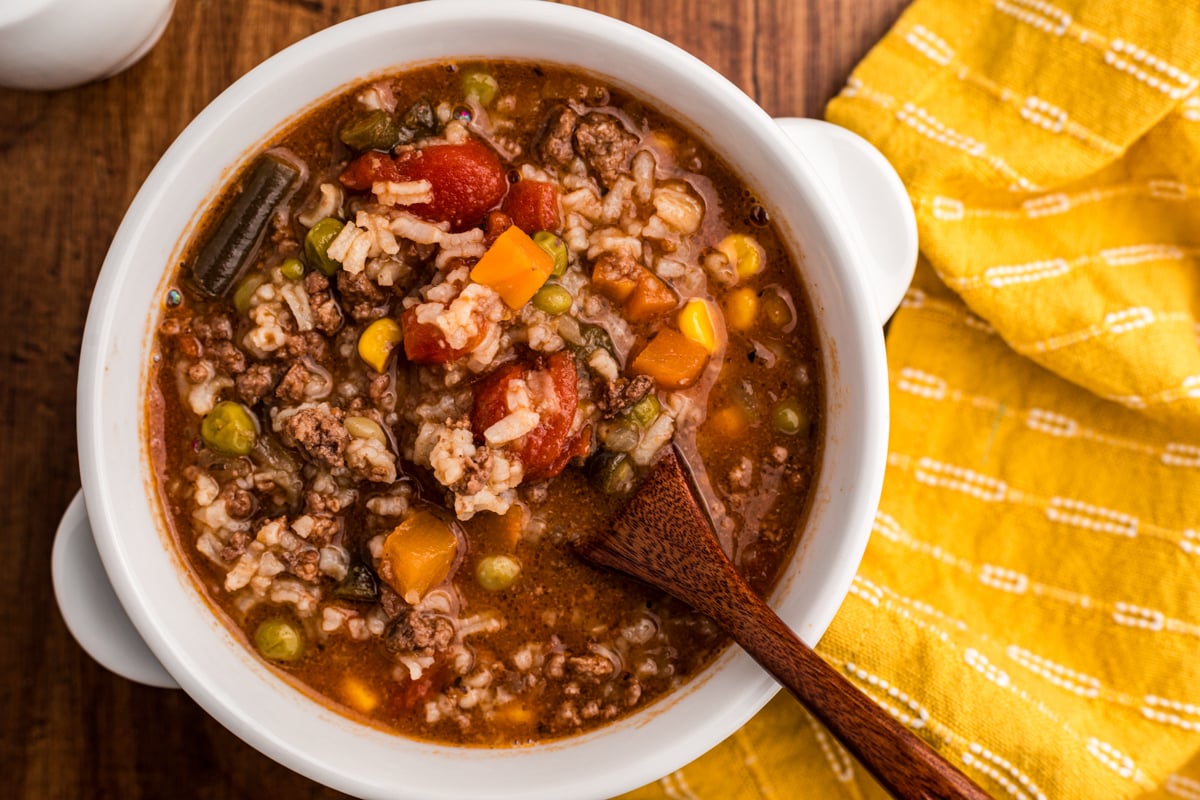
436	329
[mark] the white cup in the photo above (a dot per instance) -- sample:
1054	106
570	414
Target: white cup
55	44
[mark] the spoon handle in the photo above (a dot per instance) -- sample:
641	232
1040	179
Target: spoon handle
904	764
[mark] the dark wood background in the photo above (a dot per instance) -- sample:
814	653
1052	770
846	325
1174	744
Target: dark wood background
70	162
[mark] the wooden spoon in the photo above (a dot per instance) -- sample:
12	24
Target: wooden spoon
662	537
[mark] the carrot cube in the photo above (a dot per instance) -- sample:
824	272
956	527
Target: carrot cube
514	266
671	359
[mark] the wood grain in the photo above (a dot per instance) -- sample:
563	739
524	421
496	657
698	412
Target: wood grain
71	162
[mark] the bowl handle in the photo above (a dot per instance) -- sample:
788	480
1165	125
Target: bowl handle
873	203
90	607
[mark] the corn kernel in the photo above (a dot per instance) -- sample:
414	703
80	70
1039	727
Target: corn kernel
377	342
696	323
741	309
358	696
744	252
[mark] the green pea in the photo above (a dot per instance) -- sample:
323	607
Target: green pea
229	429
317	241
789	417
482	85
611	473
553	299
279	640
292	269
246	289
374	130
556	248
646	410
622	436
496	573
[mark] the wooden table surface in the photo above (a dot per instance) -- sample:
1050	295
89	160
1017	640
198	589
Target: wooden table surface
70	163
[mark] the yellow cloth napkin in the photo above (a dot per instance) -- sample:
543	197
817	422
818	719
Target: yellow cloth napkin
1029	602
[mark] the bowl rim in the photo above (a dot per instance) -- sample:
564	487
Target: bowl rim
109	495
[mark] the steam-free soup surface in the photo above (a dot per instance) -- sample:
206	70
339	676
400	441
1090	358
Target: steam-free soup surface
439	328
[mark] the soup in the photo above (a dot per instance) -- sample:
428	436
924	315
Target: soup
438	329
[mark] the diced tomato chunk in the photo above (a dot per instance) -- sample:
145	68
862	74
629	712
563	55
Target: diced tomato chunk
413	693
547	448
491	397
533	206
371	166
467	181
425	344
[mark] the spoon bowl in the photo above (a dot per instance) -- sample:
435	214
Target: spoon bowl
663	537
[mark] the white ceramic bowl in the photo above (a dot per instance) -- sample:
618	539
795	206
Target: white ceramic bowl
55	44
839	205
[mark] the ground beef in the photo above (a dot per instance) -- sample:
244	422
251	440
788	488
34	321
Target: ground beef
214	328
605	145
327	316
316	346
228	357
555	145
320	434
623	394
239	503
411	631
291	388
323	530
590	666
238	540
362	298
255	383
302	563
477	472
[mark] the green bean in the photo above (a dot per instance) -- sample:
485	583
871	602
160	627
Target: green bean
553	299
359	585
316	244
496	573
374	130
279	640
556	248
646	410
229	429
292	269
482	85
227	253
789	417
